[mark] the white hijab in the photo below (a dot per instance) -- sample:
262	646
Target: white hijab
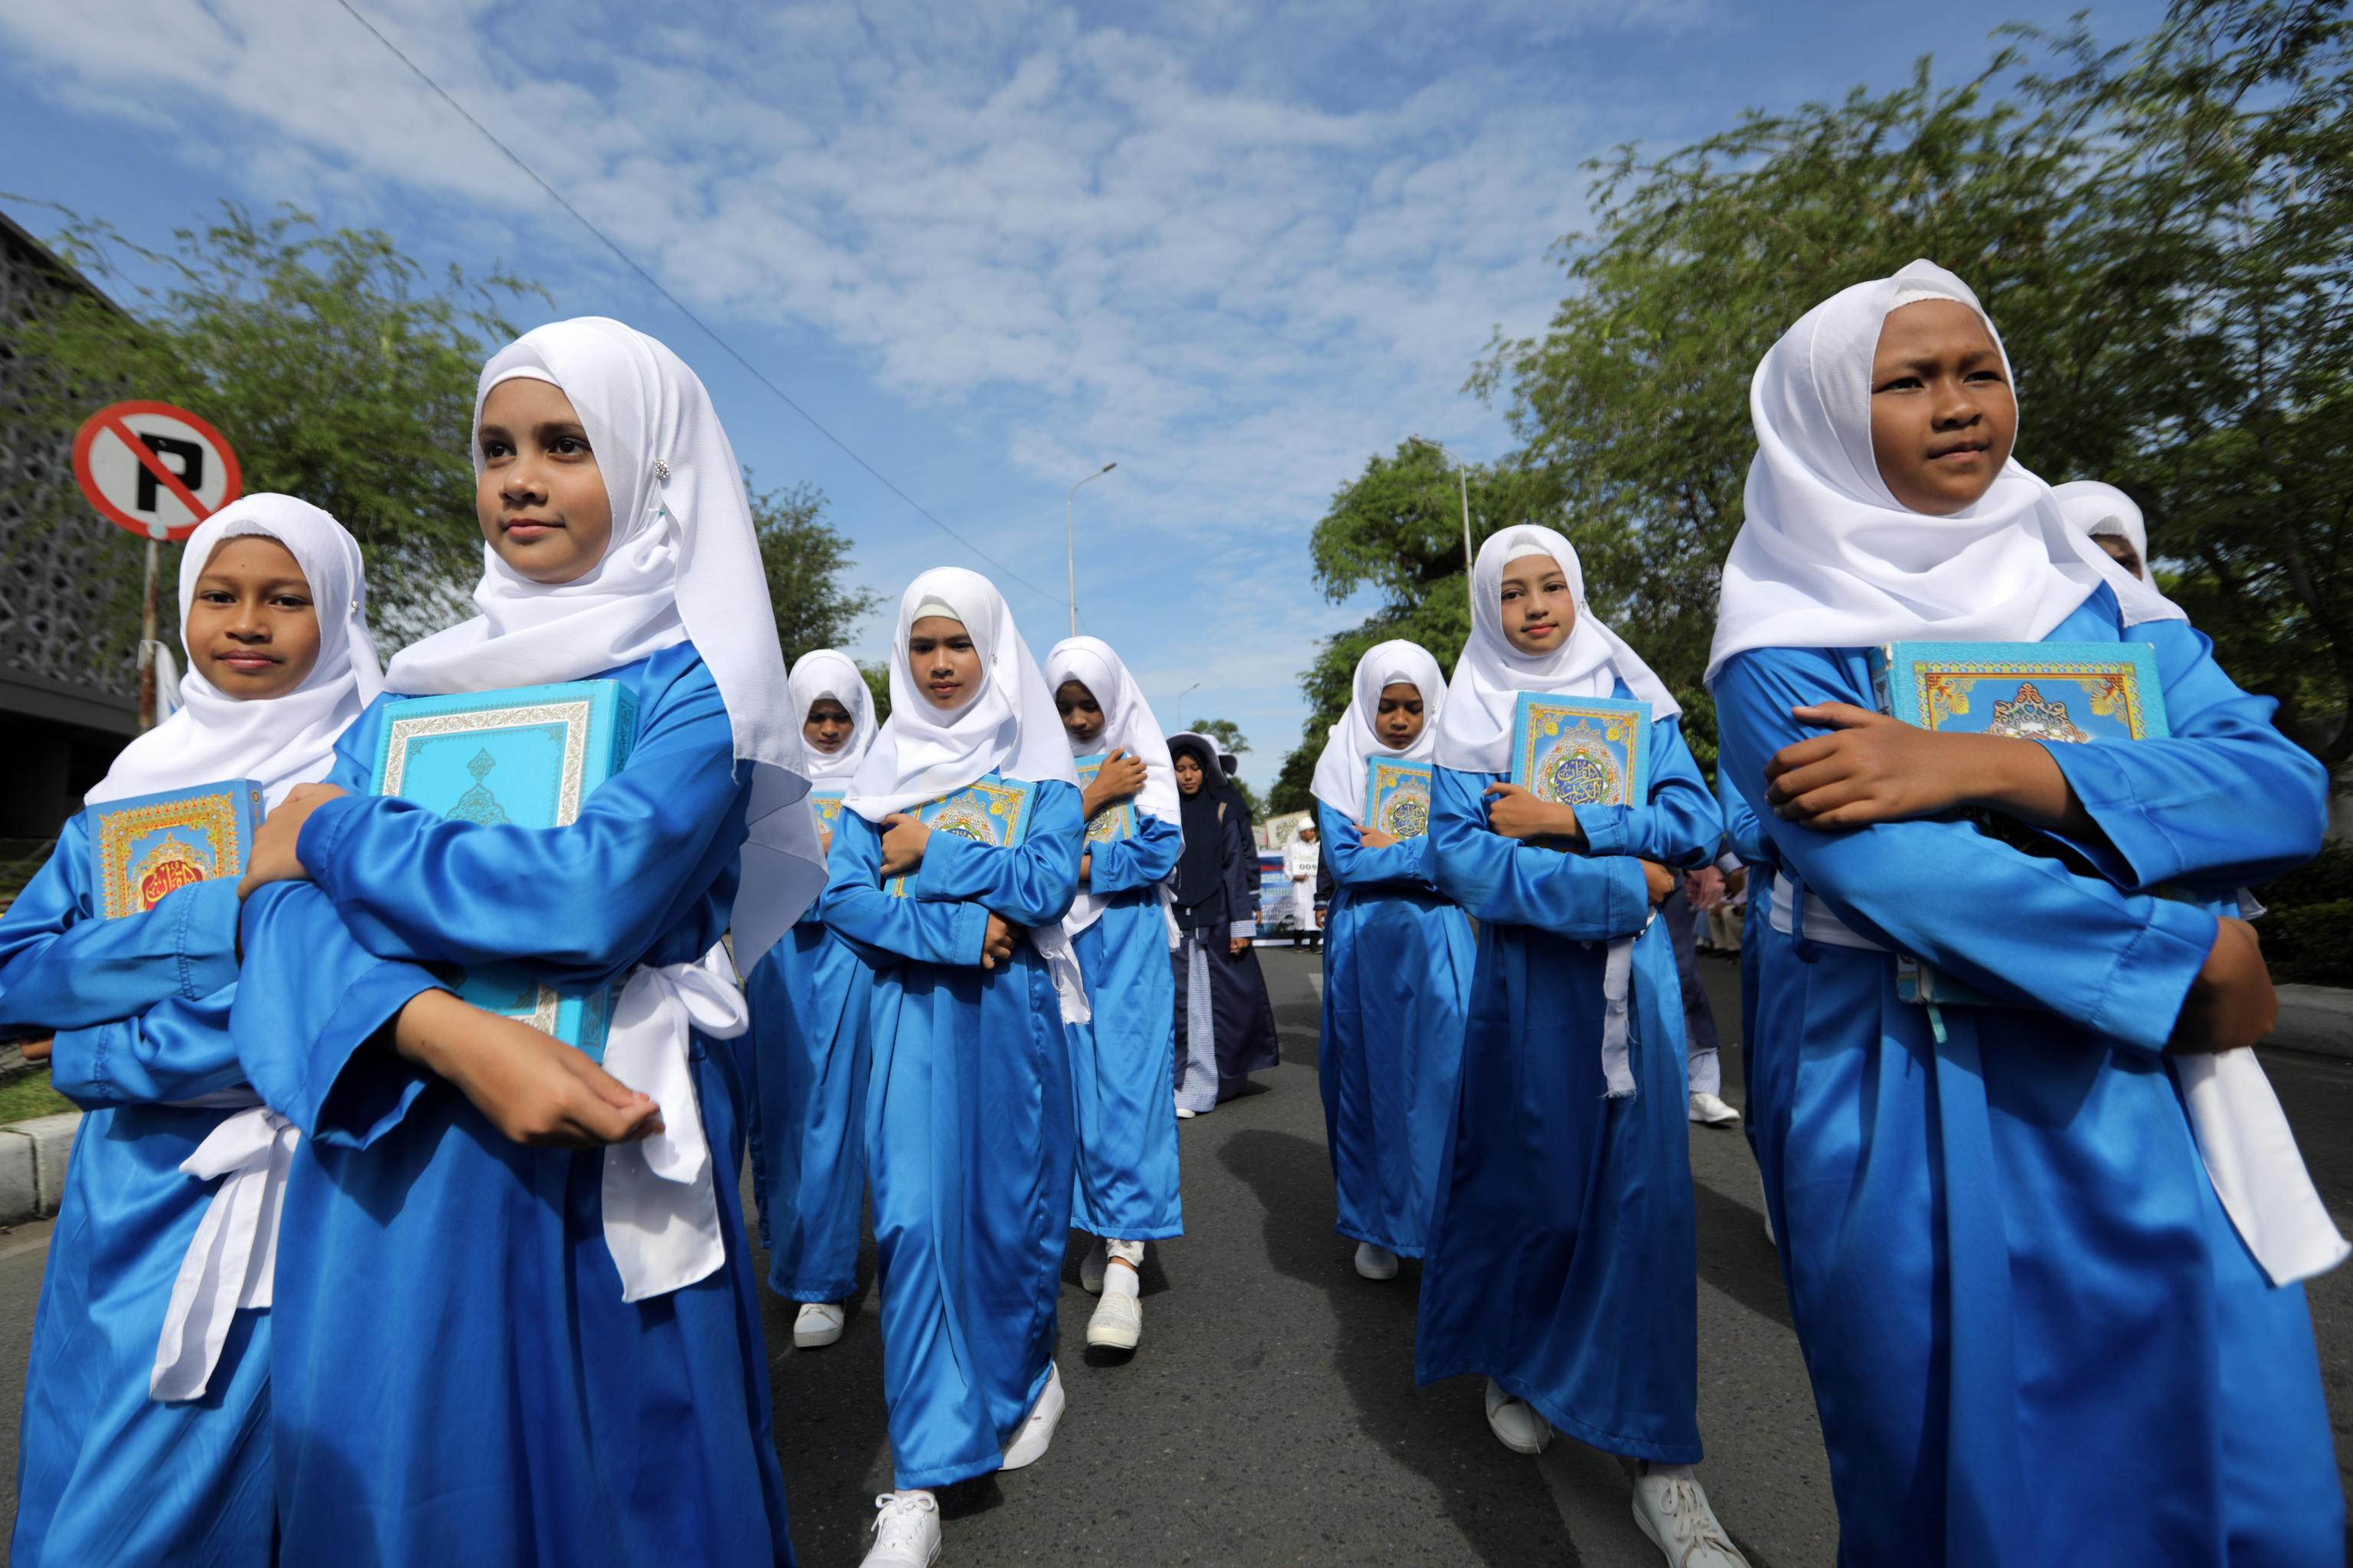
683	564
824	672
1474	732
1008	727
1829	559
1340	771
1127	717
277	742
2102	510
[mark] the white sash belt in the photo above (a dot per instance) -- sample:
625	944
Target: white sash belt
661	1213
233	1260
1616	996
1053	945
2243	1137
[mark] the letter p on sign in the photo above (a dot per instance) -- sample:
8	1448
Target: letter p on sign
154	468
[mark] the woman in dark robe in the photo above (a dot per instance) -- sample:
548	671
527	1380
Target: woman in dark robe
1225	1022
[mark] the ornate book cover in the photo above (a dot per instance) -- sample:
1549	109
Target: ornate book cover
1582	751
1397	796
827	804
2074	693
524	757
144	846
990	811
1112	822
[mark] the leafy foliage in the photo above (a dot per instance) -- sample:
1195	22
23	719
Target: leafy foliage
804	557
337	369
2164	234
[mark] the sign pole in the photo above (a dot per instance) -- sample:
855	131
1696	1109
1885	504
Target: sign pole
147	643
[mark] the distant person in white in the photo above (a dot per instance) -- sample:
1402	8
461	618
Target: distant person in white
1301	856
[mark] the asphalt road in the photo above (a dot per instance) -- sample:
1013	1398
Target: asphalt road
1270	1416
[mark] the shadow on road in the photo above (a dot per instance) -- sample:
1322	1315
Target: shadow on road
1493	1498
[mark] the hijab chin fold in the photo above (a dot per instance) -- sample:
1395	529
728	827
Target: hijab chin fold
1474	732
682	564
277	742
1827	556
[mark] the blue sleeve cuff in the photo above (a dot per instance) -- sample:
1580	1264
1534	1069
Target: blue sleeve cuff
2134	851
206	935
2151	979
968	930
1605	828
323	833
368	1086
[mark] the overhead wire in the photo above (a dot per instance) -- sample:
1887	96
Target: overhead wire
679	305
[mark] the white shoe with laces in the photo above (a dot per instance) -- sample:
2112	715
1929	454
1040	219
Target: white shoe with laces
1515	1422
816	1325
1037	1434
1712	1110
1375	1262
1092	1266
906	1532
1673	1511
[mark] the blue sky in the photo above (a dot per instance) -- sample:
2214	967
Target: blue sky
990	244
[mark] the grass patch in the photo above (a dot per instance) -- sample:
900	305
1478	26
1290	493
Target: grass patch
22	1098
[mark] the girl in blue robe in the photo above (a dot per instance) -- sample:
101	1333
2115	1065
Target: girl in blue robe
1398	958
805	1054
145	1427
2035	1334
1563	1267
497	1341
968	1118
1125	1189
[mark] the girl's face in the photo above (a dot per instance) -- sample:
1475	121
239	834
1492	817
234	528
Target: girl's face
2120	551
1539	612
1400	720
827	726
1943	415
542	501
1188	774
947	665
252	629
1083	716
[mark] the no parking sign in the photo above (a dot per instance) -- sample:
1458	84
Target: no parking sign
154	468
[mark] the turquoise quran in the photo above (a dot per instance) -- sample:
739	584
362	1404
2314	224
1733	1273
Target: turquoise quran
144	847
827	804
1112	823
524	757
990	811
2069	693
1397	796
1582	751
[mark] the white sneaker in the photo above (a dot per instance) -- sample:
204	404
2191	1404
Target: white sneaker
1515	1422
817	1324
906	1532
1117	1323
1673	1512
1375	1262
1091	1267
1037	1434
1185	1113
1711	1111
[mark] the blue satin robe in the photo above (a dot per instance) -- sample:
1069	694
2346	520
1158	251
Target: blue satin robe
1397	962
1125	1179
2033	1335
140	1006
968	1130
805	1061
457	1378
1565	1265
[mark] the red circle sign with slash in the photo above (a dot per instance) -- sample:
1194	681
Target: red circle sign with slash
154	468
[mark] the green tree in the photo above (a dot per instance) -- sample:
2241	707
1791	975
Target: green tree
806	558
2164	233
1225	732
338	369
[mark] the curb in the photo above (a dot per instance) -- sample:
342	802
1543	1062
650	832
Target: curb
2314	1019
33	1166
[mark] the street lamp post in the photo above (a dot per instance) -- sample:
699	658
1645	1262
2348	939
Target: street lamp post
1070	531
1461	474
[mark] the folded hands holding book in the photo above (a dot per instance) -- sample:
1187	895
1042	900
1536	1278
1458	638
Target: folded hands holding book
1514	813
